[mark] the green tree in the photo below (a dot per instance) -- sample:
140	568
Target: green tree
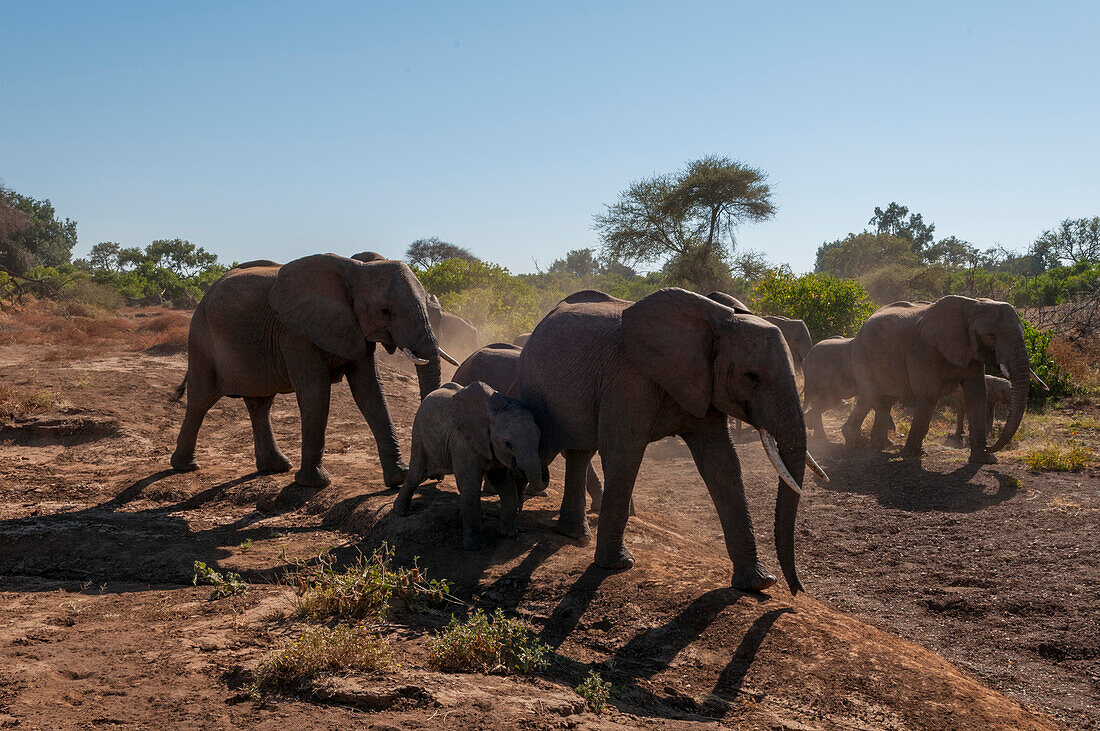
829	306
686	219
1074	241
104	255
38	238
858	254
181	257
896	220
423	253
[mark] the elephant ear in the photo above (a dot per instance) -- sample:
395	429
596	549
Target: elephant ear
310	296
669	337
946	326
471	413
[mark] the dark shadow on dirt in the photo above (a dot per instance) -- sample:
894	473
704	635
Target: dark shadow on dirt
904	484
565	617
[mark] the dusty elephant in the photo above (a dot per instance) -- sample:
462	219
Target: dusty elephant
264	329
918	351
828	382
998	391
456	335
475	433
498	366
605	375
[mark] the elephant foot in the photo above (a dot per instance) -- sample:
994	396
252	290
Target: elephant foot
402	505
394	475
578	530
616	559
753	577
313	477
911	453
532	491
880	443
184	464
597	504
854	440
506	528
982	458
273	464
474	540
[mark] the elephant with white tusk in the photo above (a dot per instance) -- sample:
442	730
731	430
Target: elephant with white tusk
919	350
264	329
605	375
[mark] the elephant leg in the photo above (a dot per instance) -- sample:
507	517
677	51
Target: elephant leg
922	417
572	519
853	427
595	492
720	468
313	404
975	394
199	400
418	471
883	424
469	477
366	389
620	473
505	483
269	458
960	413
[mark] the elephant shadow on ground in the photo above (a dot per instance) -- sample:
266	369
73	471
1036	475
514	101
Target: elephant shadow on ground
904	484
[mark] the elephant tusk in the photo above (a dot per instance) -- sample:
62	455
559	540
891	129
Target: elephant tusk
449	359
1038	381
412	357
772	450
813	465
1004	370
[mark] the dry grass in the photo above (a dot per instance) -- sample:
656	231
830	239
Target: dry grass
17	403
321	651
1066	457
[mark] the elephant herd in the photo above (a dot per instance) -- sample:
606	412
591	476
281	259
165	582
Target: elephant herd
598	375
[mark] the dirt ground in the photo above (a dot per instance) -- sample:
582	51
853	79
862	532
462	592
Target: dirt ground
939	596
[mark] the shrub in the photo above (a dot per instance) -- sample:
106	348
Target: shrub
829	306
319	651
596	692
1068	457
365	588
478	644
224	585
15	404
1045	367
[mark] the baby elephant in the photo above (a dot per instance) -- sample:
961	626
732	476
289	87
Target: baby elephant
474	433
997	391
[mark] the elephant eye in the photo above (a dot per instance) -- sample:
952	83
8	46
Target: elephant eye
753	377
386	311
507	444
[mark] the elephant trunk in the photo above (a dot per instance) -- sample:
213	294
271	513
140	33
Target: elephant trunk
1019	371
790	433
428	373
531	467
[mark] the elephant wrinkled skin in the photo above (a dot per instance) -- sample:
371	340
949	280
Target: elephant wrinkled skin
610	376
264	329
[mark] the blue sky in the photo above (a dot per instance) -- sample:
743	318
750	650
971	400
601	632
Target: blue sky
279	129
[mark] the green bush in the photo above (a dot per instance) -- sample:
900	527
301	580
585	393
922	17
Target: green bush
1045	367
321	651
478	644
224	585
829	306
596	692
499	304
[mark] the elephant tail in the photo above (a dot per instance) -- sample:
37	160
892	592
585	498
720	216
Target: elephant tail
180	389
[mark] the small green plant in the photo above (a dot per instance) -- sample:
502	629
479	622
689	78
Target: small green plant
486	645
246	544
1069	457
224	585
363	589
596	692
320	651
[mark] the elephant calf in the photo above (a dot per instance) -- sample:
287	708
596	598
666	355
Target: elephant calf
475	433
997	391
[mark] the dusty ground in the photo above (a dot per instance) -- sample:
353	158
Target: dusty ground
995	570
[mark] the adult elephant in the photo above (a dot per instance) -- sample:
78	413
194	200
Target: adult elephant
455	334
605	375
521	340
919	351
264	329
794	330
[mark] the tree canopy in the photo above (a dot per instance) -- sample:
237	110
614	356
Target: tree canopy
423	253
896	220
31	234
686	219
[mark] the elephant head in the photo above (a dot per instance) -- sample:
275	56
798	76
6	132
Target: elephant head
794	331
965	330
341	304
499	427
705	355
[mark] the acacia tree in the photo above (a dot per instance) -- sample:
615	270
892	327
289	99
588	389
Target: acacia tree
686	219
423	253
1075	240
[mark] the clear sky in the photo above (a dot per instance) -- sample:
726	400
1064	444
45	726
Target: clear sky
278	129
